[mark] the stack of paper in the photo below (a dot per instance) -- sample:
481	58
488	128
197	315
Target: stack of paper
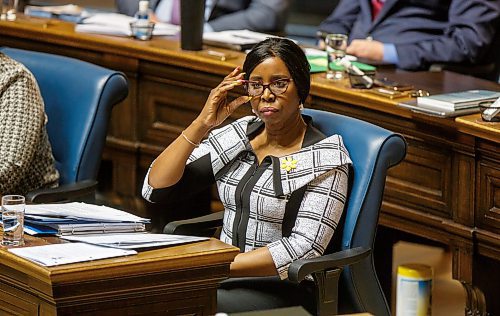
234	39
56	254
119	24
68	12
134	241
79	218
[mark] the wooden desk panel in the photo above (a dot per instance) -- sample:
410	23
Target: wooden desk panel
446	190
171	281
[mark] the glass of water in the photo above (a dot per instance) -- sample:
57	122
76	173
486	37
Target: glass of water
336	45
8	9
13	220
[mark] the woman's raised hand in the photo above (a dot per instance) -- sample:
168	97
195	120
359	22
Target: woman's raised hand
217	108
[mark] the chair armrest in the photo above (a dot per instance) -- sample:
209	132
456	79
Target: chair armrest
80	191
299	269
200	226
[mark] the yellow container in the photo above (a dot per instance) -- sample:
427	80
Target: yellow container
414	290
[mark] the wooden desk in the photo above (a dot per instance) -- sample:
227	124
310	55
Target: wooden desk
447	189
168	281
474	125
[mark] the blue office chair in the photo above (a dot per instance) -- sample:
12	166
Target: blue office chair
78	99
348	269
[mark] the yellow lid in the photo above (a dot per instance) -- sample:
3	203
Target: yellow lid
415	270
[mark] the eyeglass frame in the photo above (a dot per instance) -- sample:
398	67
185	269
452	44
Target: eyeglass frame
267	86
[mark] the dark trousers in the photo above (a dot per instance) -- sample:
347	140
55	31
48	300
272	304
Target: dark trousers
237	295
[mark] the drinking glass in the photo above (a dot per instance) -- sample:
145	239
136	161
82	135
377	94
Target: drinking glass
13	220
336	45
8	9
142	31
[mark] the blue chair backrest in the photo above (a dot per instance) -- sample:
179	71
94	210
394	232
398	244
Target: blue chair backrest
78	99
373	150
363	141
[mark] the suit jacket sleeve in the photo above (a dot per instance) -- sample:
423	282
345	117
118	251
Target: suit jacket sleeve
342	18
471	28
261	15
130	7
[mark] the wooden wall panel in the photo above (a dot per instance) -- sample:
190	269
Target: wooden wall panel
488	212
423	180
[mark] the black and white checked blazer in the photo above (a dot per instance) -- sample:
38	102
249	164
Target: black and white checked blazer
294	213
26	160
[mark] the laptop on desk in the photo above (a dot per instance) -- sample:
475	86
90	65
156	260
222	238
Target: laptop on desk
435	111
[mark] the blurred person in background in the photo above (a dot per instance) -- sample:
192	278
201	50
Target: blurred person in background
414	34
220	15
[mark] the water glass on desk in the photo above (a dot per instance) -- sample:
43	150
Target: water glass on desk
8	9
13	220
142	30
336	45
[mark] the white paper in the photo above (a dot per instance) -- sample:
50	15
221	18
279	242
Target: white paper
314	52
309	51
134	240
237	37
119	24
82	211
57	254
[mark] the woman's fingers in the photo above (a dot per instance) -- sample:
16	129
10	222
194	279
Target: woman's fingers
217	108
233	73
233	105
226	86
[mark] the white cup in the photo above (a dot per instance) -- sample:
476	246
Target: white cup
8	9
13	220
336	45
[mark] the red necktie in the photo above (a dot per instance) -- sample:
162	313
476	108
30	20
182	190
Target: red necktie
376	7
176	12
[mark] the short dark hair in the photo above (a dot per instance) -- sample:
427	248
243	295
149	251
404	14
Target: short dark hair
291	54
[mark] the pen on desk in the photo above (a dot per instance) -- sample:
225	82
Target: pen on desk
217	54
348	65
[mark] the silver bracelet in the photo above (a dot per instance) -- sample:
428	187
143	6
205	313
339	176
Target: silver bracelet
189	141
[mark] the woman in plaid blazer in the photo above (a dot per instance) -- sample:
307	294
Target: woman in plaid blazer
26	161
283	184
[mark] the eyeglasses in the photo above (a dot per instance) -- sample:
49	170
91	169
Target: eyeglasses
277	87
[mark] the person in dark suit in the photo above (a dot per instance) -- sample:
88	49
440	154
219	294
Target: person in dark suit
413	34
255	15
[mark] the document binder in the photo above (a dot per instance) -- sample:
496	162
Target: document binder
458	100
79	228
414	106
80	218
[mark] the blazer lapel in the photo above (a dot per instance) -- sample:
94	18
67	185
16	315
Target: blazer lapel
366	13
307	164
383	12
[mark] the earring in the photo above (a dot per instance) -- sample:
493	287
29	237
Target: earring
301	106
254	112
